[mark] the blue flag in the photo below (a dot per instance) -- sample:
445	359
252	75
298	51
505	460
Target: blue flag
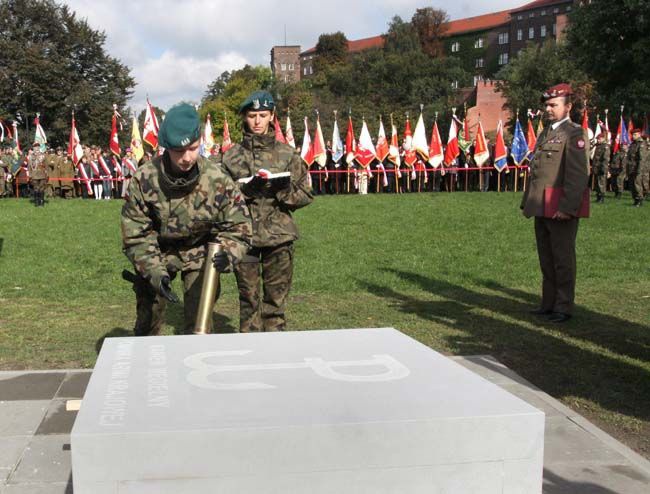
519	149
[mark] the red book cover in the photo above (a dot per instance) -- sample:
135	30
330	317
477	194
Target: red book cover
552	196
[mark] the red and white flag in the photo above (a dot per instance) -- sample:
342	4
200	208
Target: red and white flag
436	154
39	136
318	145
531	138
75	151
16	140
410	157
452	151
393	150
114	144
150	130
227	142
288	133
383	149
365	152
481	151
207	139
420	144
278	129
307	151
350	143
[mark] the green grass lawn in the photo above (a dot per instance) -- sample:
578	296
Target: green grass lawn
456	271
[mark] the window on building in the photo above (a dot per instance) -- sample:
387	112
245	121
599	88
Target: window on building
479	63
455	47
503	38
542	31
568	8
503	58
556	10
531	32
478	43
291	66
283	66
454	85
311	70
554	29
542	13
520	17
531	15
304	71
477	79
520	34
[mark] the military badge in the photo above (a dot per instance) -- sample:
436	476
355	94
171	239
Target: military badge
581	143
256	104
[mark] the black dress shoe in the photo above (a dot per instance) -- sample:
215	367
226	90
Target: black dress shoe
559	317
541	312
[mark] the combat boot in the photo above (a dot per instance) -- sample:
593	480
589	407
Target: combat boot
618	195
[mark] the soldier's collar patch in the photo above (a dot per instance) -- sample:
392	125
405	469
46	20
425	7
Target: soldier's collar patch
581	143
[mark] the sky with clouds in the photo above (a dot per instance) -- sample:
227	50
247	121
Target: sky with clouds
176	48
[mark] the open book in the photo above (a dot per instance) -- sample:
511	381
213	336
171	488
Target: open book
265	180
266	175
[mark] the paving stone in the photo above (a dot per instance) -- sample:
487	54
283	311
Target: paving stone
30	386
11	449
39	488
57	419
587	479
74	385
46	459
19	418
533	397
491	369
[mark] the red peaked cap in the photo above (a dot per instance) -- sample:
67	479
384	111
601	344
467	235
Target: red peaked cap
557	91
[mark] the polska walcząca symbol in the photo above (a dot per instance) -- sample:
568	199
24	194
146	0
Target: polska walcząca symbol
202	370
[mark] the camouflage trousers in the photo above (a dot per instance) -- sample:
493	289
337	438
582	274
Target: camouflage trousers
265	313
617	181
38	184
601	184
150	306
636	186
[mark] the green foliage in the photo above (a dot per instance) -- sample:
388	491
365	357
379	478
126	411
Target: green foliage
331	49
609	41
430	24
401	37
230	92
52	62
535	69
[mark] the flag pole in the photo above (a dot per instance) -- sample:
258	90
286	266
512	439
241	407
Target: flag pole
347	165
336	175
516	164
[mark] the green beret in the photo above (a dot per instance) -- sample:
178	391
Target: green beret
258	101
180	128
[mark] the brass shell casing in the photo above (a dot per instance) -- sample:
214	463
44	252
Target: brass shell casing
208	291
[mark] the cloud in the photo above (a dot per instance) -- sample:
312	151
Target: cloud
176	48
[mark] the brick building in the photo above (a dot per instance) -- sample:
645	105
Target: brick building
285	63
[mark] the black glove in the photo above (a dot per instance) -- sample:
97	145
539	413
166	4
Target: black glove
166	290
221	262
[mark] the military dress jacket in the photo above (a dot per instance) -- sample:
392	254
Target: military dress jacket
37	167
561	159
271	211
166	219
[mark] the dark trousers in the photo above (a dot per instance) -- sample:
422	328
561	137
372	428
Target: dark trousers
276	265
556	248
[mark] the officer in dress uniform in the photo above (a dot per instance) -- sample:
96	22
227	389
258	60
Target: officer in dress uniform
560	160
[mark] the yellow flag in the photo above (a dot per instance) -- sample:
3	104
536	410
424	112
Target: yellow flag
136	141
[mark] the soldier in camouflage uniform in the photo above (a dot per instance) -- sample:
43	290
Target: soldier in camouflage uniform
600	166
37	174
645	166
175	205
617	170
271	204
635	158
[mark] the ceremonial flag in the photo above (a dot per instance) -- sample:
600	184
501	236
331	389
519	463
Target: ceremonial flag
531	138
609	134
39	135
464	139
365	152
289	134
2	131
226	143
599	129
646	130
337	144
278	129
410	156
481	151
393	150
207	140
350	143
17	150
382	144
150	129
307	152
452	151
500	150
585	119
540	127
75	151
114	144
105	168
136	141
519	149
419	143
630	126
319	152
622	136
436	153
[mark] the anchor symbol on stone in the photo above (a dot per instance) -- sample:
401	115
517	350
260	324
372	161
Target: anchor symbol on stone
202	370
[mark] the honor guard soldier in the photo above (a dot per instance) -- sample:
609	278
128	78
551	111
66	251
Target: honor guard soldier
560	160
636	157
601	166
271	203
37	174
175	205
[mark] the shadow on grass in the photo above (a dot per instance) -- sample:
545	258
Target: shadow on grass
499	324
113	333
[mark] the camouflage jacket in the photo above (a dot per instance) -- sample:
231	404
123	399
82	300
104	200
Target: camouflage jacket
601	158
634	157
617	164
166	219
271	211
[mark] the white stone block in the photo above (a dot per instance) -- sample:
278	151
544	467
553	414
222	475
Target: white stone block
345	411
